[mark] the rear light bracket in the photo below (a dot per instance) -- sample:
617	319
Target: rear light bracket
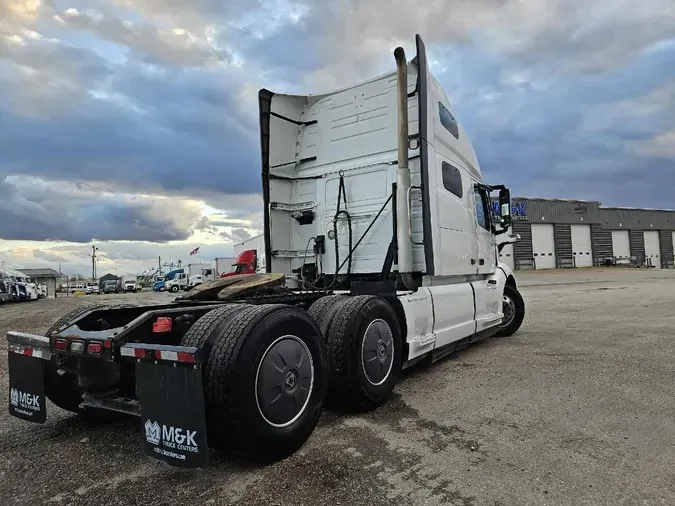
178	355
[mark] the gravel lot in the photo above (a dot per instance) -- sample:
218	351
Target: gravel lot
576	408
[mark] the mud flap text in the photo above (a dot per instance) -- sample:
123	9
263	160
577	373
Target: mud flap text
26	388
172	413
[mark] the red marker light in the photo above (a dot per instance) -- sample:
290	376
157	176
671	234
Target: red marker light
162	324
185	357
61	345
94	348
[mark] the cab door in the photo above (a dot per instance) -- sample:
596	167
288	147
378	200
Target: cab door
488	286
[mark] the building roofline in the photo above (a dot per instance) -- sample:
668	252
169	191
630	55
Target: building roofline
556	200
578	201
639	209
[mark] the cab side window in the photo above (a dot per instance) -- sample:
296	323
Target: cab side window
452	179
482	216
448	120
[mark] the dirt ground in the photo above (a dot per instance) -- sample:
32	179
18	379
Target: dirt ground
577	408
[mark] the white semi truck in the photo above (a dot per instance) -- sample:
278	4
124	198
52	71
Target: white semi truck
196	274
128	283
377	216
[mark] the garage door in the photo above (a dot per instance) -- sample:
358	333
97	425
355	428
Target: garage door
543	246
506	256
581	245
653	248
620	244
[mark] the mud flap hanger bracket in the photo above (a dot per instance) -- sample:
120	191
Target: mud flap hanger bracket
29	344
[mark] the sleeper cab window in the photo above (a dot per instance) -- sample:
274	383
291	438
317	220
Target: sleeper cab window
448	120
452	179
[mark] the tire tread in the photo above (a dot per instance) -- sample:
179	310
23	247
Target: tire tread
345	386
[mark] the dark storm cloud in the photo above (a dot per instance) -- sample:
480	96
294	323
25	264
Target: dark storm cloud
101	222
34	209
164	128
237	235
578	133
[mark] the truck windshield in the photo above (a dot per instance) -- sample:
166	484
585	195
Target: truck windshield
238	268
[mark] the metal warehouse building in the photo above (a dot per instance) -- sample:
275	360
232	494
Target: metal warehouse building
572	233
47	277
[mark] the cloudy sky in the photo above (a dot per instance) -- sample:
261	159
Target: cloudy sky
134	122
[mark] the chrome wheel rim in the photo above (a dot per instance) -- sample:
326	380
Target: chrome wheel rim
509	309
377	352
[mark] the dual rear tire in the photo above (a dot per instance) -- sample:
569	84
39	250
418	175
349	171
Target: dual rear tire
364	343
265	378
269	369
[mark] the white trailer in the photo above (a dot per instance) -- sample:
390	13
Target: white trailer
196	269
376	216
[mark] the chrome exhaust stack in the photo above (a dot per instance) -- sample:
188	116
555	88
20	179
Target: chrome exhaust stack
405	247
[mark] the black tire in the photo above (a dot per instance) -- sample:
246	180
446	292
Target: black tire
323	311
63	390
349	337
174	288
512	323
204	333
239	420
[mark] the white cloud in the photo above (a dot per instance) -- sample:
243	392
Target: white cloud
661	145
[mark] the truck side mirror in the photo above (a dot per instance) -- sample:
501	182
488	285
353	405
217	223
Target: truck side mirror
505	206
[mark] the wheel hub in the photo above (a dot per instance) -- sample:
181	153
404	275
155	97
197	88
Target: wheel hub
509	309
377	353
284	381
291	378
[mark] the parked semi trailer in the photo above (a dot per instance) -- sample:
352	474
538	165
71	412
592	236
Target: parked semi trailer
381	228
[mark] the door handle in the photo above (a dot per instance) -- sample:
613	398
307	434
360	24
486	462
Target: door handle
481	261
492	281
473	261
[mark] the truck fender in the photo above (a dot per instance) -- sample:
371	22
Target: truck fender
508	274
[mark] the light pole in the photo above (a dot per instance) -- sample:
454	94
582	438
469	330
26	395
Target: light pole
94	249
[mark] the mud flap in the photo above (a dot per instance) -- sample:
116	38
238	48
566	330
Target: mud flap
27	399
169	382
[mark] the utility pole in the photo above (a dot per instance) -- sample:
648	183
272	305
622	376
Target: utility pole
93	262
